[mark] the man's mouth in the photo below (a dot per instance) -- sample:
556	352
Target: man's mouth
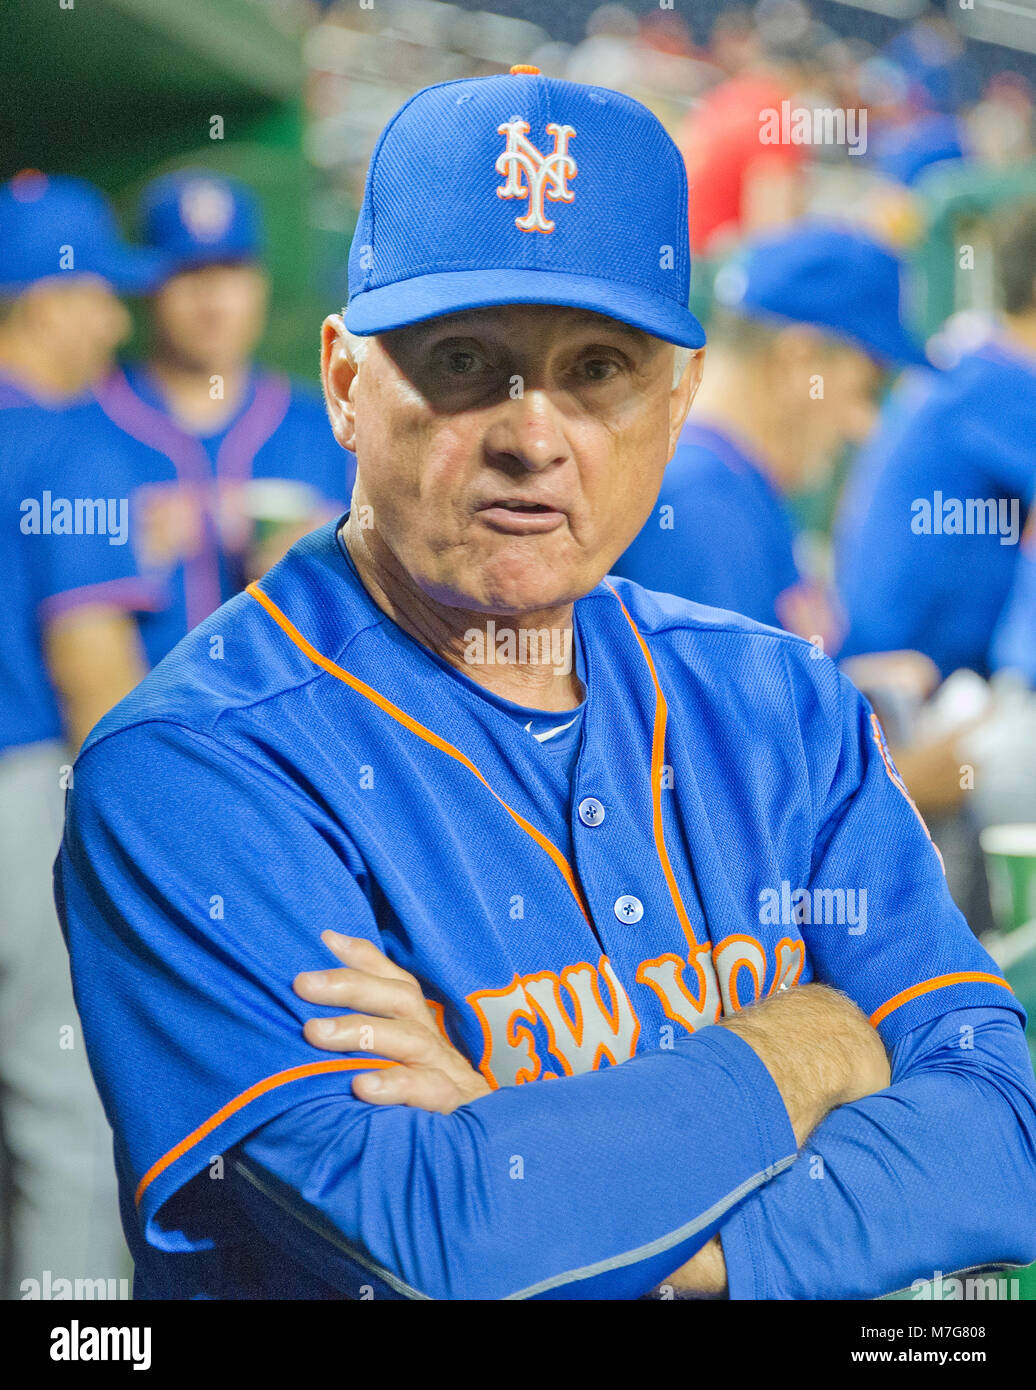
519	516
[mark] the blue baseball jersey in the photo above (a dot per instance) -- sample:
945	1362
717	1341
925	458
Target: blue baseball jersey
1013	647
28	708
724	822
188	530
38	463
927	535
721	534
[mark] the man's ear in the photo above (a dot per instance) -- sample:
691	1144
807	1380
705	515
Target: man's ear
338	374
683	394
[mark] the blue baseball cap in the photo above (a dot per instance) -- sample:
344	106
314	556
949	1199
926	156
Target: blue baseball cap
522	189
52	226
837	279
198	218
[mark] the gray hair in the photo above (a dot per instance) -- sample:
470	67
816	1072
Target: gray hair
356	346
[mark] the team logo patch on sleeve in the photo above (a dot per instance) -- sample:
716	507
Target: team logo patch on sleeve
878	734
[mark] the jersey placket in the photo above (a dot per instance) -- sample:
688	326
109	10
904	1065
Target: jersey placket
142	422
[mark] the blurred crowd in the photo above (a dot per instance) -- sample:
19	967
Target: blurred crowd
137	496
925	100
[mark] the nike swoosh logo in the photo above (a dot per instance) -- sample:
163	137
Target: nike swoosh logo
550	733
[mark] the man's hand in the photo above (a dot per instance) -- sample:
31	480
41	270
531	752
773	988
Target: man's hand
704	1275
813	1040
393	1020
821	1052
819	1048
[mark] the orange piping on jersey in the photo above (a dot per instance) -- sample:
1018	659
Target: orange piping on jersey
962	977
657	756
439	1014
269	1083
394	712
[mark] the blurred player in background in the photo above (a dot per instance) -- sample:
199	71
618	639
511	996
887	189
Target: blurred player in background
808	324
928	556
1013	647
926	542
223	464
62	267
809	318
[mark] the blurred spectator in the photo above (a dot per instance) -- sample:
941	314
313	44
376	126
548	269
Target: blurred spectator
741	181
666	32
932	55
734	41
1000	126
608	55
906	151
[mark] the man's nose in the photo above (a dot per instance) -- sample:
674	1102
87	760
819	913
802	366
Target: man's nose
528	430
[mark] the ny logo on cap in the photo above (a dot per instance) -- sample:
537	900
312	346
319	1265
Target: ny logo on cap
206	209
545	174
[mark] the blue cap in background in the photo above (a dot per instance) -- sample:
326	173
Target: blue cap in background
54	226
907	152
198	218
521	189
833	278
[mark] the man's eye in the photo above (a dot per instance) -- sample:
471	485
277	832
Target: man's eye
599	369
462	363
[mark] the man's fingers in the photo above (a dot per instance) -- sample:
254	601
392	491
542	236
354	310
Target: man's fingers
353	988
397	1039
422	1088
358	951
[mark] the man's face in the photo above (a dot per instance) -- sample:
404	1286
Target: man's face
508	455
89	321
856	380
844	414
210	319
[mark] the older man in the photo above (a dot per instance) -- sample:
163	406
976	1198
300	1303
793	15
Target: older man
568	825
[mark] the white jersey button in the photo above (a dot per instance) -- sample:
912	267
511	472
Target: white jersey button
628	908
591	811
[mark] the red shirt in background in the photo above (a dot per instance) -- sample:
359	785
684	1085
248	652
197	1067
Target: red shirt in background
723	151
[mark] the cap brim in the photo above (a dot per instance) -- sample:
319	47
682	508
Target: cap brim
130	269
178	262
889	342
897	348
431	296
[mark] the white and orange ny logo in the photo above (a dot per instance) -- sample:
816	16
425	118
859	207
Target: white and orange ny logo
533	175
